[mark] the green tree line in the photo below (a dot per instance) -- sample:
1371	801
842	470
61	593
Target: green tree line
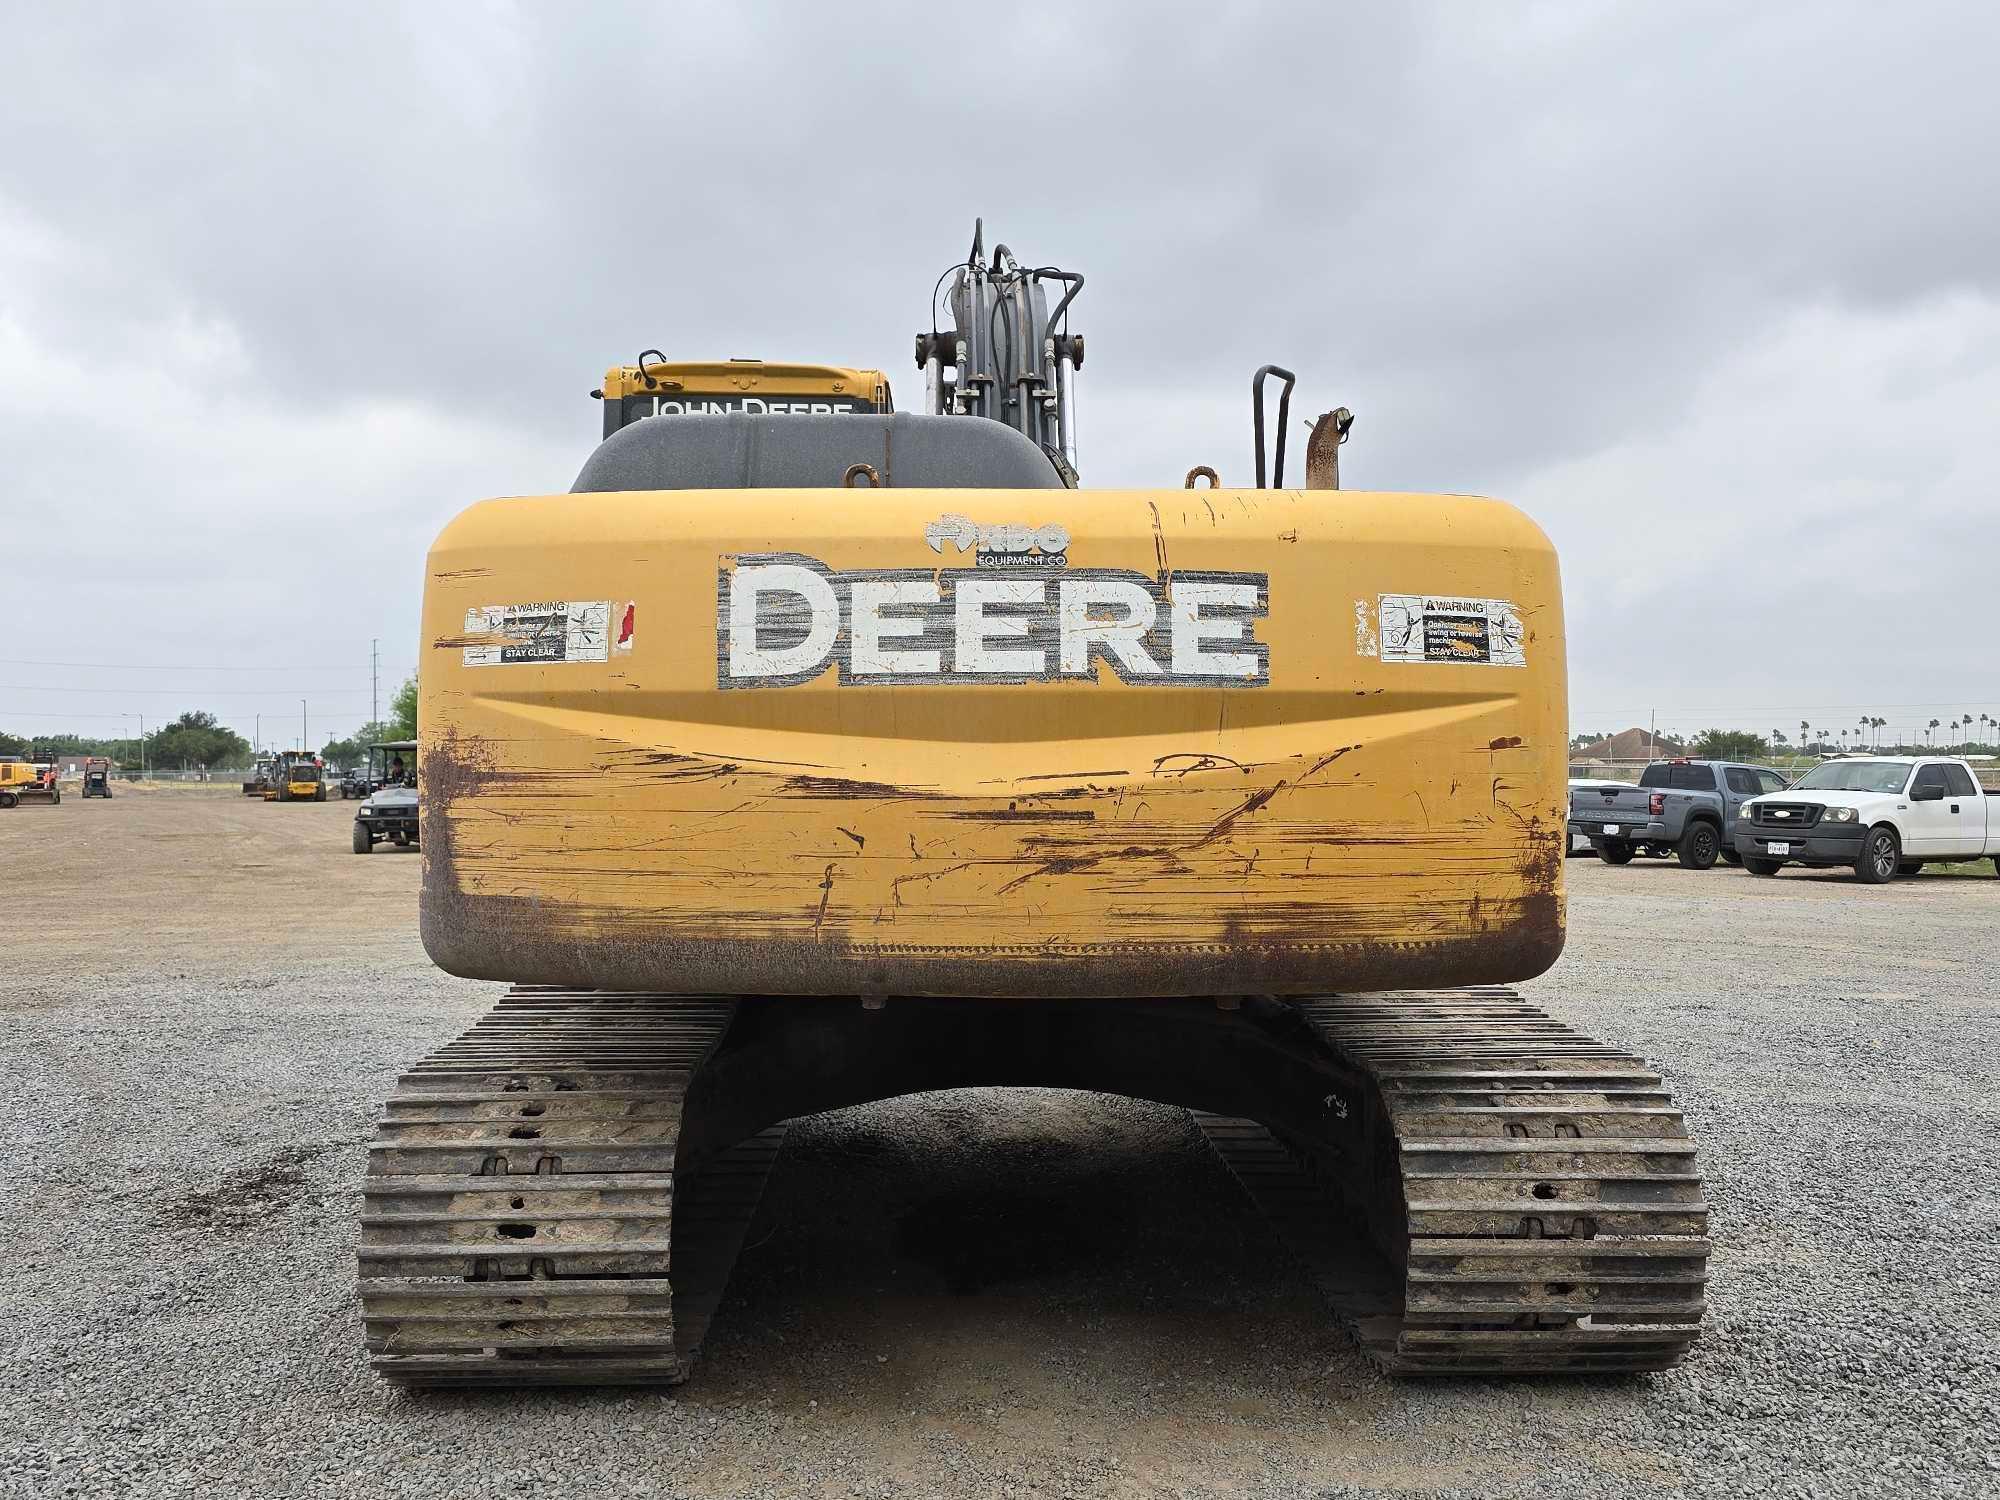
198	740
195	741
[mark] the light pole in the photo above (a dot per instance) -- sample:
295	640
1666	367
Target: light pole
302	726
142	743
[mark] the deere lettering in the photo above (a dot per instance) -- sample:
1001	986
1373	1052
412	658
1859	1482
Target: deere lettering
784	619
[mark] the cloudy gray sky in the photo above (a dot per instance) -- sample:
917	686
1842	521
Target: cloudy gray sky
1712	291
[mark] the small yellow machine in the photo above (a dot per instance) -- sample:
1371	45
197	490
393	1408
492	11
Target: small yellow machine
794	760
24	780
295	778
303	783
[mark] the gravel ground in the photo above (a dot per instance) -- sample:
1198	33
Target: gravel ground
983	1293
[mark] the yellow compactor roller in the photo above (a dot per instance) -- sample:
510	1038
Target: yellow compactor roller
794	760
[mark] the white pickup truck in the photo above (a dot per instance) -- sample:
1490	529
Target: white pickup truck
1880	815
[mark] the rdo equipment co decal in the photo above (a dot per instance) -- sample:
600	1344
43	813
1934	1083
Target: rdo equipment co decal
783	619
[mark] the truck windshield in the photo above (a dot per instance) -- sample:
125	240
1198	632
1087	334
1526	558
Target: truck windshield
1854	776
305	773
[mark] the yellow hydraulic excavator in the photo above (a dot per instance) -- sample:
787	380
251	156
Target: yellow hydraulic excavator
801	758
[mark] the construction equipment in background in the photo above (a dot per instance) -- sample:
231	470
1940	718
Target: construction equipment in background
299	778
262	777
97	776
15	773
1236	798
23	780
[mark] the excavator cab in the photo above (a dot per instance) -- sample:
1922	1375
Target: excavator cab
655	387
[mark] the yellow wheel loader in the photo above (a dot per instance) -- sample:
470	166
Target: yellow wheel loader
303	781
799	759
24	780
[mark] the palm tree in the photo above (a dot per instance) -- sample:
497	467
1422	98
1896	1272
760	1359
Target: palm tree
1930	731
1805	731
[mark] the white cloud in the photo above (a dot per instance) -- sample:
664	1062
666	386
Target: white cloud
1812	533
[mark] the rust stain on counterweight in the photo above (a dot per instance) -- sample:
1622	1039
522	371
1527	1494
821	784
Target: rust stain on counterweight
641	887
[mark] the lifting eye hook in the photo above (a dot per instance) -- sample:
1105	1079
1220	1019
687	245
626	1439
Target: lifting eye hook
857	471
1203	471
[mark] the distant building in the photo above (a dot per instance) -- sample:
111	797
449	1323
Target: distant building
1631	744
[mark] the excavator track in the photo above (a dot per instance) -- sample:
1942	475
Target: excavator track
522	1219
1531	1202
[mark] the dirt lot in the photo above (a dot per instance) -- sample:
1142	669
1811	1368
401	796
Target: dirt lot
970	1294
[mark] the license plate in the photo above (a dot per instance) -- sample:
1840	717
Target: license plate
1610	829
1774	847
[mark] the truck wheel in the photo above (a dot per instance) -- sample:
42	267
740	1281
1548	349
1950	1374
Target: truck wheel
1758	866
8	799
1881	856
1614	853
320	795
363	844
1699	845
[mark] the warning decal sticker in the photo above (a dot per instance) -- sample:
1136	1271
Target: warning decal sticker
1441	628
520	634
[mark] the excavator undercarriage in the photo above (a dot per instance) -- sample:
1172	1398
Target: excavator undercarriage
556	1197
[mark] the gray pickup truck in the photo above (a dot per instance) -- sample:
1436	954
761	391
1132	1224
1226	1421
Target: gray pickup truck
1679	807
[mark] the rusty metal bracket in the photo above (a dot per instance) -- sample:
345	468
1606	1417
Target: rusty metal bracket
1203	471
856	471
